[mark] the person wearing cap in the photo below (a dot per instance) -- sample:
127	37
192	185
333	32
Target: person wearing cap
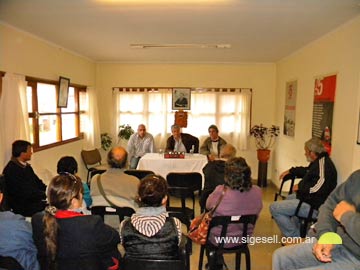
212	145
318	181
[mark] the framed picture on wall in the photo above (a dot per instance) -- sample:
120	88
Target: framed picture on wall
63	94
181	98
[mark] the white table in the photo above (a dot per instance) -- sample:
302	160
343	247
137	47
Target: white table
158	164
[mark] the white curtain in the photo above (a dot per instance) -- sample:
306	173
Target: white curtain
13	114
228	109
92	134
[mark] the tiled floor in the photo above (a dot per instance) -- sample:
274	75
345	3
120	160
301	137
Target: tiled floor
261	253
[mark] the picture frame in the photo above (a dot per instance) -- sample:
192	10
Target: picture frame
181	98
63	93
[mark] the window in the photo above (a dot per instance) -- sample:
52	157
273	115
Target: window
50	125
229	109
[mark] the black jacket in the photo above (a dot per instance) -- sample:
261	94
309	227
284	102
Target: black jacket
318	180
84	243
188	141
214	175
25	190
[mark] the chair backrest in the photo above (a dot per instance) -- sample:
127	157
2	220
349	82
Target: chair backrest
140	174
147	264
91	157
225	221
121	212
192	180
9	263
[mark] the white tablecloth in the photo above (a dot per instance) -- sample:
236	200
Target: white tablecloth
162	166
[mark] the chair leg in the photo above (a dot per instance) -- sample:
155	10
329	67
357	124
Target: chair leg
238	261
201	257
247	259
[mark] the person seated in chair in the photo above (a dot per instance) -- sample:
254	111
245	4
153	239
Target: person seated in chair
181	142
214	172
240	198
212	145
16	235
68	164
67	239
339	214
119	188
318	180
150	233
26	191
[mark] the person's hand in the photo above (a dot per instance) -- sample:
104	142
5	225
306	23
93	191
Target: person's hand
295	188
341	208
211	157
283	174
322	252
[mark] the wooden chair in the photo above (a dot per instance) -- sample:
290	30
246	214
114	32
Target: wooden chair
219	249
92	161
140	174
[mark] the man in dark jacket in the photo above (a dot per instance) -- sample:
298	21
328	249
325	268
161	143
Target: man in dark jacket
182	142
214	172
26	192
318	180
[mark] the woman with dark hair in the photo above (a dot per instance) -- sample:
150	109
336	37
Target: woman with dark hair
150	233
240	198
69	240
16	236
68	164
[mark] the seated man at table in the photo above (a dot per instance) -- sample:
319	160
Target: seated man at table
212	145
118	187
139	144
181	142
214	172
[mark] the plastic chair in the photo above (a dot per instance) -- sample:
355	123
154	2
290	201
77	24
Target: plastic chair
140	174
92	161
219	249
183	186
9	263
121	212
285	179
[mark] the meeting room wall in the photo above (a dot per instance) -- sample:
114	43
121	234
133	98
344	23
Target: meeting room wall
260	77
335	53
23	53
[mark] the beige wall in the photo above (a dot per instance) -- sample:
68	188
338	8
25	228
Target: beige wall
260	77
339	53
24	54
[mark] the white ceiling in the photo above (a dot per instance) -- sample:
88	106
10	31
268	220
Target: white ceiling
102	30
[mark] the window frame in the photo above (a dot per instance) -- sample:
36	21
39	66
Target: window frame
32	82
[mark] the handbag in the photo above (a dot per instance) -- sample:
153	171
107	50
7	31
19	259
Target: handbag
199	226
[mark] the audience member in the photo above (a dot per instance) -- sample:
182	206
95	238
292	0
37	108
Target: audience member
150	233
318	180
214	172
67	239
119	188
16	235
240	198
212	145
26	192
339	214
182	142
68	164
139	144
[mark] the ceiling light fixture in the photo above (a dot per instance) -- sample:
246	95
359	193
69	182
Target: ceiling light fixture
181	46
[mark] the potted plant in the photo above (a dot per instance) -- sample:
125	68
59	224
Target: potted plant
125	131
106	141
264	140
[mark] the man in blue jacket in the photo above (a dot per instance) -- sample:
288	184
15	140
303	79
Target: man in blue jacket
318	180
